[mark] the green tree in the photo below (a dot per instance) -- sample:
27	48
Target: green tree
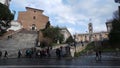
45	42
114	35
47	25
5	13
70	40
5	17
53	33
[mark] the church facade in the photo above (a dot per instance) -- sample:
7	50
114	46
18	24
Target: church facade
33	19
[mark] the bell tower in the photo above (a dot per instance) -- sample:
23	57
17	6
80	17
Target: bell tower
90	28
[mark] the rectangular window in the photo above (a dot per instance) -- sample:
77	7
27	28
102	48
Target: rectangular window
34	17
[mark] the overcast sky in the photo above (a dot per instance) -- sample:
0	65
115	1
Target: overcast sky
73	14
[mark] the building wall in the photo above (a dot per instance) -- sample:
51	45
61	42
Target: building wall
33	17
65	33
95	36
109	26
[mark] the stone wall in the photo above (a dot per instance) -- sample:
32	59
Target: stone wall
19	41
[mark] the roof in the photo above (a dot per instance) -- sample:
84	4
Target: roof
64	28
94	33
109	21
35	9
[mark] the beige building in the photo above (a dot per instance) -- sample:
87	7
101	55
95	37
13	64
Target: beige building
33	19
91	36
65	33
95	36
109	26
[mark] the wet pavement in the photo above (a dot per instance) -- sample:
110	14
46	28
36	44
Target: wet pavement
87	61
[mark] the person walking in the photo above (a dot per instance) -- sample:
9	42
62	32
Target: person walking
0	54
19	54
48	52
97	55
58	53
5	54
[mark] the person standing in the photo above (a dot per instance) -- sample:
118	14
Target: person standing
61	51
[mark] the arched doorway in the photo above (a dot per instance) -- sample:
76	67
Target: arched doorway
33	27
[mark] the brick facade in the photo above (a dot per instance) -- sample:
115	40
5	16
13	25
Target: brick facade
32	19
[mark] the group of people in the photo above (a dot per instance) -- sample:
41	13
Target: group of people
5	54
59	52
29	53
43	53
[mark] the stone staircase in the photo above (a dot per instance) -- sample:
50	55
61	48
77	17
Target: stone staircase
21	40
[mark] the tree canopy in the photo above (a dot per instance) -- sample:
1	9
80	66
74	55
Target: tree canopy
5	17
114	35
70	40
5	13
53	33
